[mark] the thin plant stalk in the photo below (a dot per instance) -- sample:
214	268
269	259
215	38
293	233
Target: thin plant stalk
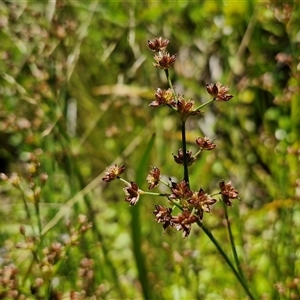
27	210
208	233
137	240
185	163
37	210
226	258
231	239
170	82
192	204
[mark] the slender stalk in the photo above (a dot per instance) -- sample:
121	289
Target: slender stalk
238	274
39	221
154	194
27	210
37	210
136	224
204	104
197	153
26	206
185	163
170	83
34	260
235	256
123	180
168	78
226	258
139	256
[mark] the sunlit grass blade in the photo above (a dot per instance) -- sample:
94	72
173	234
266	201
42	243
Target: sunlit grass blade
136	225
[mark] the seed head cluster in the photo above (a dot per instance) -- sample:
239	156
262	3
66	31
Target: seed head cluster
188	206
218	91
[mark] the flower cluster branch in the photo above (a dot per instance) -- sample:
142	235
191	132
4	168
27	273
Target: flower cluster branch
191	204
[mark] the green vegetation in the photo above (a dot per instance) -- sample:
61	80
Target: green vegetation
76	81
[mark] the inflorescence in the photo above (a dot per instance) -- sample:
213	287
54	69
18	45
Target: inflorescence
192	204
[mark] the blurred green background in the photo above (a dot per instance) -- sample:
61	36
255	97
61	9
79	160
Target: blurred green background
76	79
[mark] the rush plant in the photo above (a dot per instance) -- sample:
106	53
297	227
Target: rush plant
185	205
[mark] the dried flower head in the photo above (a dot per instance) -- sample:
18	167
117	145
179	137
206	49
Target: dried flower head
186	108
163	215
228	192
132	193
205	143
163	97
179	158
201	201
180	190
158	44
184	221
218	91
164	61
113	172
153	177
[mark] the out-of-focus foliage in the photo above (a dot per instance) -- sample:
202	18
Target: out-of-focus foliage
76	78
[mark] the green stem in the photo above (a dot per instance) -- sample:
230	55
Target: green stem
153	194
204	104
38	215
123	180
171	85
185	163
164	182
237	274
235	256
34	260
27	209
197	153
37	210
221	251
175	203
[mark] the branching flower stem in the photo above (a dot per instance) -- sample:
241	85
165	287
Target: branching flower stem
192	204
237	272
185	163
26	208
